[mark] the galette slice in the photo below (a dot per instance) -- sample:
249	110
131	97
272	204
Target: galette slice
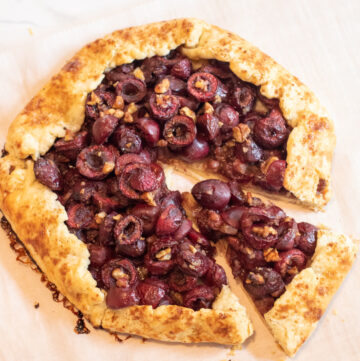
291	270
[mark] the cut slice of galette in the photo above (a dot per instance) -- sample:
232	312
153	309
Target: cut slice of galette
291	270
82	183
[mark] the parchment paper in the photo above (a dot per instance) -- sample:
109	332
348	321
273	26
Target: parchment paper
318	42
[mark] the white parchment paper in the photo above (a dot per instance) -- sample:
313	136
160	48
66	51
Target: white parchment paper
316	40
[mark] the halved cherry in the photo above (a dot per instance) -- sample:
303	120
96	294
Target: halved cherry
275	174
290	264
108	204
248	257
306	242
191	261
131	89
161	255
127	140
149	129
163	106
287	233
152	291
227	115
169	221
47	172
238	196
270	132
99	255
215	276
243	98
127	234
96	161
180	131
148	216
181	282
202	86
183	230
182	69
143	179
119	273
208	125
71	148
257	228
263	282
126	159
103	127
106	228
232	215
199	297
80	216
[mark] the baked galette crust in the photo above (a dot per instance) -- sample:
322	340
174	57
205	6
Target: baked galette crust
38	218
60	104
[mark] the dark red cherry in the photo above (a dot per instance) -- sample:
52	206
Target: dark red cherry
182	69
181	282
169	221
202	86
180	131
215	276
119	297
227	115
131	89
212	193
47	172
271	132
199	297
126	159
197	150
119	273
287	232
257	228
80	216
183	230
148	216
291	263
99	255
127	234
243	98
161	256
149	130
275	174
71	148
307	239
150	293
208	125
96	161
103	127
127	140
191	261
163	106
263	282
232	216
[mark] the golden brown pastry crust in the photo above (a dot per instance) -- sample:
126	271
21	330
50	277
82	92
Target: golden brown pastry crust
296	313
38	218
60	104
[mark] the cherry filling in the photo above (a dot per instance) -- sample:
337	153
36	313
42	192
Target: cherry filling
143	249
266	248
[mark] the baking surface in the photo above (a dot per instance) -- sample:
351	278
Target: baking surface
318	41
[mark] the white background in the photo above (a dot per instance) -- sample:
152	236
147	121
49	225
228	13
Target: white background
318	41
